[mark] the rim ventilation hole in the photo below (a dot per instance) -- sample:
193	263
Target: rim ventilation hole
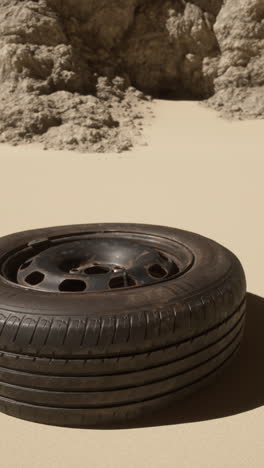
96	270
35	278
72	285
121	282
156	271
25	265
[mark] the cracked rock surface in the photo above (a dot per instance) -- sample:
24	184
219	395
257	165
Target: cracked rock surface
76	74
239	82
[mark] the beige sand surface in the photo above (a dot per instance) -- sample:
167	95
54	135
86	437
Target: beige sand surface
200	173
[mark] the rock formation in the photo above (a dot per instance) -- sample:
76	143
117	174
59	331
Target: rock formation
75	73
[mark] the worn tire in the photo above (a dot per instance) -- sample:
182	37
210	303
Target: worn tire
103	358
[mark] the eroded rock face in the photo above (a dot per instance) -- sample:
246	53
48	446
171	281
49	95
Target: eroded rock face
239	83
179	49
62	59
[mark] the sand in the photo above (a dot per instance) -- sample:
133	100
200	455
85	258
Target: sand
199	173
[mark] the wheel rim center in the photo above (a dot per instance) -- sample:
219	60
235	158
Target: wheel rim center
94	265
95	262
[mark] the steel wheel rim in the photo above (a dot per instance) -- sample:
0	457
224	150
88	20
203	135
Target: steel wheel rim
96	262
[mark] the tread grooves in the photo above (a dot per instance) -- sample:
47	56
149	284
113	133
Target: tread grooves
84	332
156	397
18	328
32	336
179	343
48	332
117	389
191	355
115	330
66	332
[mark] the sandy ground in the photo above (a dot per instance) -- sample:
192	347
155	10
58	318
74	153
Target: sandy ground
198	173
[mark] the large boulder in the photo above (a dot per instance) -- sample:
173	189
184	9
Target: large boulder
239	29
54	52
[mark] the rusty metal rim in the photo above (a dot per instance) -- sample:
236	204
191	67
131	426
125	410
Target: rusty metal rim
103	261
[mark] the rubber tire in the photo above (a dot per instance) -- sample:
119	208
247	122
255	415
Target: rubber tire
103	358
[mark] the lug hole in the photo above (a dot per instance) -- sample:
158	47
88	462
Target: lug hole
157	271
97	270
35	278
121	282
72	285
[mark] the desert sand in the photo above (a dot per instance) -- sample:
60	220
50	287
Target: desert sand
200	173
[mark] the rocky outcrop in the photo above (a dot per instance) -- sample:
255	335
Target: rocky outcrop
62	59
239	83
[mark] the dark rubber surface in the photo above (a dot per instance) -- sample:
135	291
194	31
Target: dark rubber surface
107	416
80	359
